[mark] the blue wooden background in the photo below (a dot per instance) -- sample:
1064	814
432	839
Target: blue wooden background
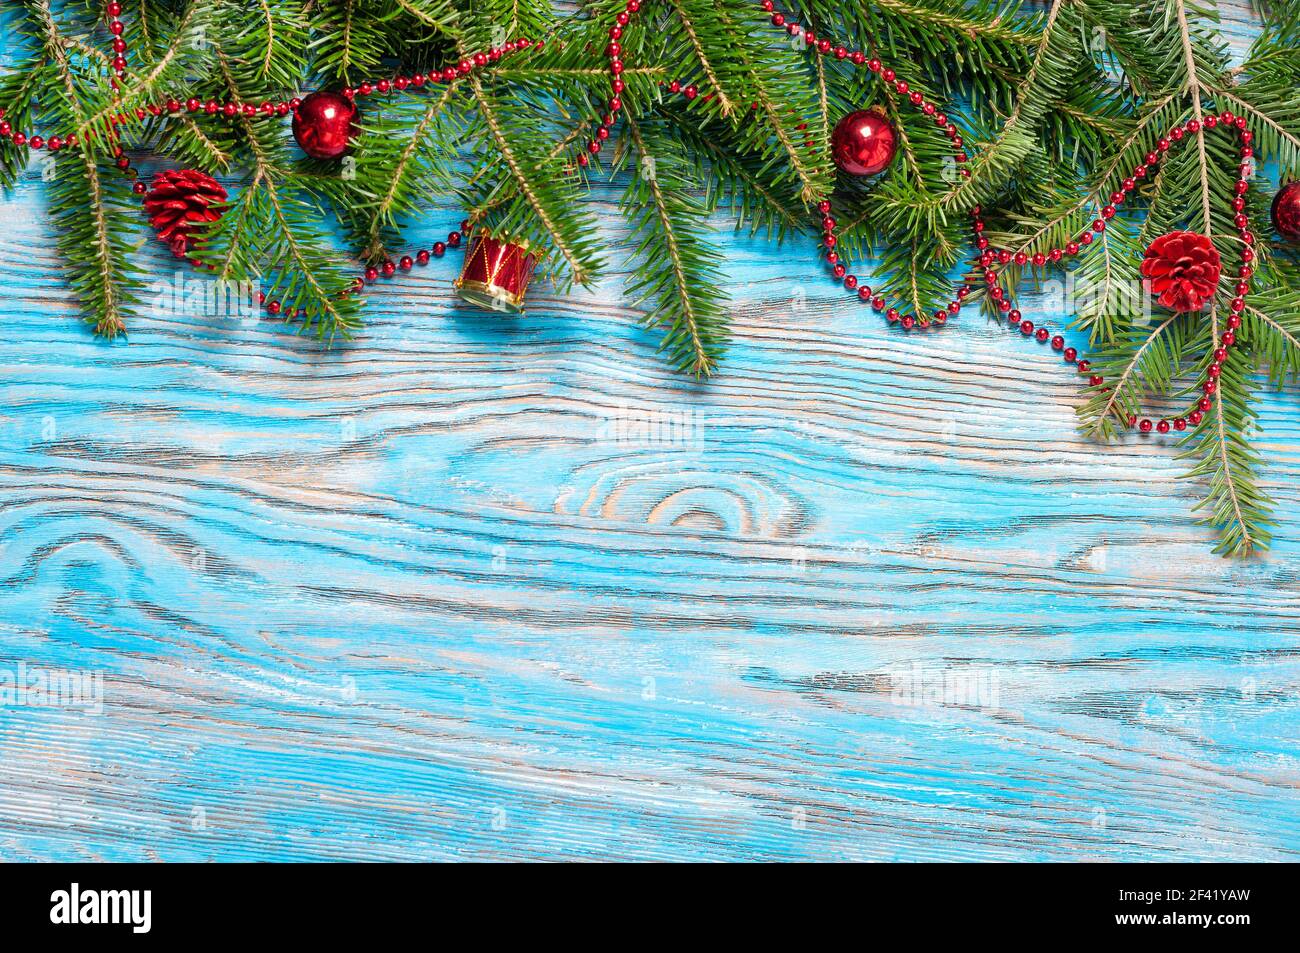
442	593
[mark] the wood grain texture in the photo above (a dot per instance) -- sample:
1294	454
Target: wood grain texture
487	588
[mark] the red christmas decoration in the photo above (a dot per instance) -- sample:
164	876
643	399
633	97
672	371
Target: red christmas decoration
496	273
1182	270
864	142
324	124
1286	211
180	206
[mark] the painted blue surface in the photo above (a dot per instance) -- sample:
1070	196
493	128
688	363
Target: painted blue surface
431	596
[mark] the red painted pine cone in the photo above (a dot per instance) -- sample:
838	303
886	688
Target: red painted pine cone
180	206
1182	270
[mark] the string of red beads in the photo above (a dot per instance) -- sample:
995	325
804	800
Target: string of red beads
614	53
115	26
387	269
397	84
987	259
268	109
823	46
1227	339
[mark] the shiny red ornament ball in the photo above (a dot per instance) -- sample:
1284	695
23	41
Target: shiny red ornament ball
864	142
1182	270
324	124
1286	211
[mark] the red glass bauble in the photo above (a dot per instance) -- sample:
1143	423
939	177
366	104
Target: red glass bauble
864	142
1286	211
323	125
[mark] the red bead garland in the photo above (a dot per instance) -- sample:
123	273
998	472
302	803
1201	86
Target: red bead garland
233	108
989	257
279	109
115	26
822	46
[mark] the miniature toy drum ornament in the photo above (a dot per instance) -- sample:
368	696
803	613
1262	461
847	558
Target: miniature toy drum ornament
496	273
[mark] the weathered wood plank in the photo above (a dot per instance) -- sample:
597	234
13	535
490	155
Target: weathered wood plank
474	587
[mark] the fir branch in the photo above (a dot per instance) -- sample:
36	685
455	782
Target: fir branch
439	17
703	57
772	81
1193	89
956	18
383	212
1131	373
487	23
17	92
347	56
1051	69
1222	453
89	214
186	140
1143	134
143	19
273	231
507	189
735	180
1107	282
1272	330
1223	456
681	281
549	205
1242	107
174	64
401	159
85	207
